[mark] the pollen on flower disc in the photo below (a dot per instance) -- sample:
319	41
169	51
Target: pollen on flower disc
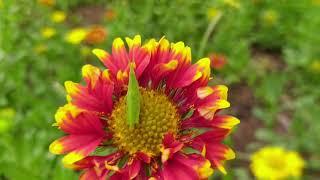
158	116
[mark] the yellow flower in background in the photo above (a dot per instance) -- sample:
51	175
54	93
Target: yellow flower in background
47	2
75	36
58	16
315	66
270	17
275	163
232	3
48	32
213	12
6	119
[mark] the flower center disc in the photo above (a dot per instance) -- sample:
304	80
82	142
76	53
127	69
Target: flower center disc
158	116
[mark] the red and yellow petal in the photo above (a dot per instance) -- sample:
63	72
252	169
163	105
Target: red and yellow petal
98	167
225	121
101	54
208	111
63	111
163	69
106	76
81	151
203	66
122	76
205	170
164	45
218	121
181	53
203	92
138	55
183	77
166	67
119	54
136	41
170	146
72	88
118	44
56	147
217	154
134	168
182	166
85	134
71	142
91	74
143	157
219	91
84	123
96	95
106	59
212	136
130	171
89	174
150	46
109	160
73	157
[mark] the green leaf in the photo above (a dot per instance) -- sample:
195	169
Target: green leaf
133	99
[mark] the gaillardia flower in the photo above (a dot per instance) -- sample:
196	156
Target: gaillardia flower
178	132
276	163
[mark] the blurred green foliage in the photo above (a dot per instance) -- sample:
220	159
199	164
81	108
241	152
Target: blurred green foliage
33	69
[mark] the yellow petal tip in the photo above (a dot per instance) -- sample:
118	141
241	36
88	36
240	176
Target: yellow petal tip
118	43
56	147
71	158
100	53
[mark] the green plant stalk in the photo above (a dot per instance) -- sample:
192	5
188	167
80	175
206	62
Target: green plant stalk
208	32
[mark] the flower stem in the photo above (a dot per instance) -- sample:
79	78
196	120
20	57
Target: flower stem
208	32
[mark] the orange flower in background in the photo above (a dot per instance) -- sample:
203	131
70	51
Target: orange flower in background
96	35
217	61
110	14
47	2
173	110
